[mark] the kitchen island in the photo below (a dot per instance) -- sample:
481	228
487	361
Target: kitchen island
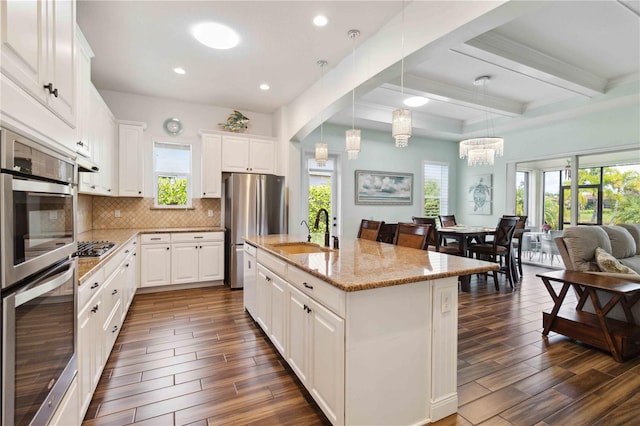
370	329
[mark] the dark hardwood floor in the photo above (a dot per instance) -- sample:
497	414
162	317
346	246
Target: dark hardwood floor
195	357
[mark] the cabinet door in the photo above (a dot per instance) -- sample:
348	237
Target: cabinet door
235	154
130	282
155	265
263	298
24	44
211	261
184	263
211	166
261	156
90	349
107	153
298	333
130	160
83	83
62	20
279	318
249	284
326	352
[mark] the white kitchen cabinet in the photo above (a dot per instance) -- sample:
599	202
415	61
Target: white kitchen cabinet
249	278
211	260
83	93
91	353
67	411
179	258
247	154
278	328
130	159
298	333
155	265
211	165
263	298
102	140
37	52
130	284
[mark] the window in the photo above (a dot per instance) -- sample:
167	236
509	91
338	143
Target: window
172	174
522	193
436	189
321	187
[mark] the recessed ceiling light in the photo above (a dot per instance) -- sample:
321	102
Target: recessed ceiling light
216	36
179	70
320	20
416	101
265	86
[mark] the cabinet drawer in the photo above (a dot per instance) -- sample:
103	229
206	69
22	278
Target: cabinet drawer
272	262
326	294
112	292
89	288
112	328
155	238
187	237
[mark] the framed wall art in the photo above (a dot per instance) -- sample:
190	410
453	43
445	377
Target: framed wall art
480	194
383	187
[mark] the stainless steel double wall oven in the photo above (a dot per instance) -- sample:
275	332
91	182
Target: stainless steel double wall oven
39	278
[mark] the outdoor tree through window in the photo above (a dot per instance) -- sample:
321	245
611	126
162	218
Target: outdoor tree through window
172	174
435	189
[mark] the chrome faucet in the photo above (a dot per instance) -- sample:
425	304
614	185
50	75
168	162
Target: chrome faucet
326	221
304	222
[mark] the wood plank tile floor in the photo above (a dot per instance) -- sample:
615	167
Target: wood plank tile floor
194	357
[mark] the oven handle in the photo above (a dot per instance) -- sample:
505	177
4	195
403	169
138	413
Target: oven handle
46	283
40	187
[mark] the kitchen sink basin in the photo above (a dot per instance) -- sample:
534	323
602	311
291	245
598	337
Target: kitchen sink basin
301	248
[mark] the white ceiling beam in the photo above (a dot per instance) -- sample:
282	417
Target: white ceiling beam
508	54
457	95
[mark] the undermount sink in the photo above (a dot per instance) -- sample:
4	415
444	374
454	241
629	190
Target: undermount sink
301	248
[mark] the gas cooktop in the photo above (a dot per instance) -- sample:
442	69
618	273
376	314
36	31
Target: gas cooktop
93	248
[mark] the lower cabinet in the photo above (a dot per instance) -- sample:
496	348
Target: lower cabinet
103	300
67	412
306	333
180	258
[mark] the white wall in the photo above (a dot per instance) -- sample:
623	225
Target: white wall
378	153
194	117
614	129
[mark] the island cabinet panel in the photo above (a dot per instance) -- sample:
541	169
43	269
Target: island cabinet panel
278	327
263	298
298	333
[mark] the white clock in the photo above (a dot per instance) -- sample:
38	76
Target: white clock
172	126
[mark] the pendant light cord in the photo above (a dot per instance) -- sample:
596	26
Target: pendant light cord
402	55
353	89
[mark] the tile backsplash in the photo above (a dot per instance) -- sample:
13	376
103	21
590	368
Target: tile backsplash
140	213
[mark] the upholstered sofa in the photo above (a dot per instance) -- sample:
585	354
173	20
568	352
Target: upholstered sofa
577	247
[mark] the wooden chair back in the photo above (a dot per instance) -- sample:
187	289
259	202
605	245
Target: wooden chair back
447	220
412	235
369	229
522	220
432	238
504	232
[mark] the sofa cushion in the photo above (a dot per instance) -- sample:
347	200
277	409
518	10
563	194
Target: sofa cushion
622	242
634	230
632	262
607	263
581	242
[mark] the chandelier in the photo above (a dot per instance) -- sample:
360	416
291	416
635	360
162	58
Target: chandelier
352	136
322	150
482	151
401	118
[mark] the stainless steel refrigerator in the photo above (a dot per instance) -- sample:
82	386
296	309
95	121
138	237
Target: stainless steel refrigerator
253	205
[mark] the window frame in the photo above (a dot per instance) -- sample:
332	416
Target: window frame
444	192
179	175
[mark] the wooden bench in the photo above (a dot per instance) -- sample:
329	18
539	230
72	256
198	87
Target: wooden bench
620	338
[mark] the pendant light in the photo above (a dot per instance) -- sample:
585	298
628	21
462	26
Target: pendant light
352	136
401	118
483	150
322	150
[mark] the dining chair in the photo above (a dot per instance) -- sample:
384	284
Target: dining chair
432	239
447	220
412	235
499	250
369	229
518	239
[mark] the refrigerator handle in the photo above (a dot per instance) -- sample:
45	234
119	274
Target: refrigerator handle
259	202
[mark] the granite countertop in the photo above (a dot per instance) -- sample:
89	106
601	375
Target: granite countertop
363	264
88	265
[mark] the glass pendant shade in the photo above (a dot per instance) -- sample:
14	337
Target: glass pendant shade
322	154
481	151
353	143
401	127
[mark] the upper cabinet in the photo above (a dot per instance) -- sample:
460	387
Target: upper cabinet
130	159
37	52
248	154
83	94
211	165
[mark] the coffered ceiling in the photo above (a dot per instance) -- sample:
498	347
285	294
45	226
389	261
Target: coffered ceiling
554	60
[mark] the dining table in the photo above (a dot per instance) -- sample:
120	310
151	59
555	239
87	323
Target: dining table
465	235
